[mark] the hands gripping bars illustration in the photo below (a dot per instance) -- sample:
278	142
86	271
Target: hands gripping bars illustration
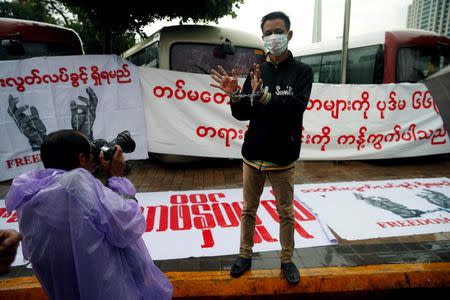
83	116
32	127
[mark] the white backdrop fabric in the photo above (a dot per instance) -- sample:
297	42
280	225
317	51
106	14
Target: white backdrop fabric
180	113
186	116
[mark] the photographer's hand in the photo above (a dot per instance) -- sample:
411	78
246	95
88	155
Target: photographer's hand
116	166
30	125
83	116
9	241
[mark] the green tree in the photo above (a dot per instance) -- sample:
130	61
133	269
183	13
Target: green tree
109	26
113	20
93	38
34	10
55	12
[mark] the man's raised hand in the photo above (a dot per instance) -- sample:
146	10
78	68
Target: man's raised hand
255	75
225	82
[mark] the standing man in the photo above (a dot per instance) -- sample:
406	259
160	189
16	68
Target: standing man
273	98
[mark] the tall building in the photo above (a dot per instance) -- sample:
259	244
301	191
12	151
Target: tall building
431	15
317	25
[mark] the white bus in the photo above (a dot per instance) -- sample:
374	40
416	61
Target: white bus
408	55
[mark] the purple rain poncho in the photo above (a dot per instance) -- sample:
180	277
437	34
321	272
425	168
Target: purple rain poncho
84	239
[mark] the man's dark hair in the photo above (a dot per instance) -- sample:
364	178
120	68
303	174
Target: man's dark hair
276	15
61	149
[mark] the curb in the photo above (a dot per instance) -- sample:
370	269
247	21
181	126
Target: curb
313	281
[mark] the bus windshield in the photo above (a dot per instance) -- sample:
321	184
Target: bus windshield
417	63
201	58
10	50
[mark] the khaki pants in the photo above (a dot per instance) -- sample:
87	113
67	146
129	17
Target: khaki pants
282	183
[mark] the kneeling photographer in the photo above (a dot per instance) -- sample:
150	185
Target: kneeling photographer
84	238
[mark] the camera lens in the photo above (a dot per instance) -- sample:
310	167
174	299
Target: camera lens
123	139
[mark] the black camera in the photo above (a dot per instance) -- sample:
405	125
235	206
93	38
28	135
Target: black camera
123	139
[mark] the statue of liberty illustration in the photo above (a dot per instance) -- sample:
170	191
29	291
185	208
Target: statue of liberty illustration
436	198
394	207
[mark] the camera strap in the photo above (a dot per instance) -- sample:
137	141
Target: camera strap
126	196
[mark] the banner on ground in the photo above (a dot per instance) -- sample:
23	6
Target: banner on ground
186	116
207	223
377	209
97	94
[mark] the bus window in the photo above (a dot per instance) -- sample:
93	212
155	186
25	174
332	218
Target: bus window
20	39
200	58
330	71
408	55
365	65
146	57
362	62
11	50
314	62
417	63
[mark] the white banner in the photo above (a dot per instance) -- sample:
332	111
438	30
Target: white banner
377	209
188	117
96	94
206	223
100	96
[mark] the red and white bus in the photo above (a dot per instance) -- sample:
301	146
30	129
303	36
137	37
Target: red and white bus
21	39
383	57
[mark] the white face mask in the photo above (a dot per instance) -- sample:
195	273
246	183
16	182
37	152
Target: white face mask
276	44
